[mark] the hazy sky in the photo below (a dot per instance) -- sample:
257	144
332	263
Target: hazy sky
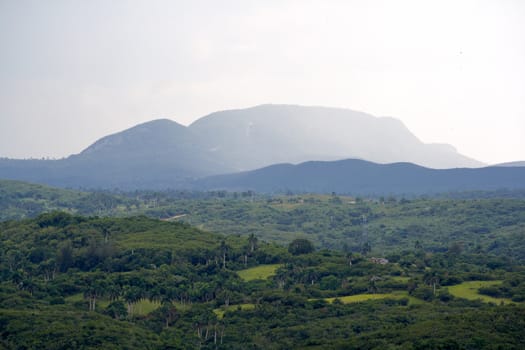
74	71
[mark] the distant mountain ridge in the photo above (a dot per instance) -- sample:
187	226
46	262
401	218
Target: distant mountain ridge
359	177
164	154
512	164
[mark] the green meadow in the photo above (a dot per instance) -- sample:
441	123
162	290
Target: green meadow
470	290
369	296
262	272
223	309
140	308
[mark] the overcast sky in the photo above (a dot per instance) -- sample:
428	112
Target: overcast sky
74	71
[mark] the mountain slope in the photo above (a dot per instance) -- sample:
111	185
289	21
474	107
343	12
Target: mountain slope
512	164
157	154
270	134
164	154
361	177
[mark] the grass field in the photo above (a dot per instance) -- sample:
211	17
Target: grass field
358	298
220	311
469	290
261	272
142	307
365	297
145	306
102	303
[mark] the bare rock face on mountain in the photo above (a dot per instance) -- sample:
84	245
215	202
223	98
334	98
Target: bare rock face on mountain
268	134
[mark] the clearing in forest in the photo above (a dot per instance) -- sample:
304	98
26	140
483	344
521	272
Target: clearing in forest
368	296
470	290
262	272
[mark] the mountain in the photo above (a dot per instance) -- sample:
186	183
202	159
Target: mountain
269	134
156	154
164	154
356	177
512	164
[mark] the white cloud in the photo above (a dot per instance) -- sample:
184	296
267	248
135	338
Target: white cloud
452	71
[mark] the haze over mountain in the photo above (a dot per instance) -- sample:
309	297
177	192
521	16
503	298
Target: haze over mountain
163	153
269	134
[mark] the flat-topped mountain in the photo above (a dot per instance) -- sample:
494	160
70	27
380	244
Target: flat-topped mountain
269	134
165	154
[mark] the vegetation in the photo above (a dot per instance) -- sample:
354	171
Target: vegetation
262	272
368	296
383	225
320	272
471	290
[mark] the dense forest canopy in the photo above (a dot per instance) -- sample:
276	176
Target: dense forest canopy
145	270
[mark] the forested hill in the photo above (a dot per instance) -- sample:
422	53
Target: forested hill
110	283
359	177
20	200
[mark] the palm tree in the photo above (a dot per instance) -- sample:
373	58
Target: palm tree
131	296
372	287
28	284
432	279
224	249
349	257
367	248
252	240
113	290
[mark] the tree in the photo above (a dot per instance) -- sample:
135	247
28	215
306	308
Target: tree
300	246
455	249
432	279
95	287
252	241
28	284
65	256
131	296
330	282
224	249
246	252
372	287
349	258
169	313
367	248
117	310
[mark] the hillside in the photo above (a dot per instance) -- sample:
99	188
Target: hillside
329	221
269	134
360	177
71	281
157	154
20	200
512	164
334	221
164	154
